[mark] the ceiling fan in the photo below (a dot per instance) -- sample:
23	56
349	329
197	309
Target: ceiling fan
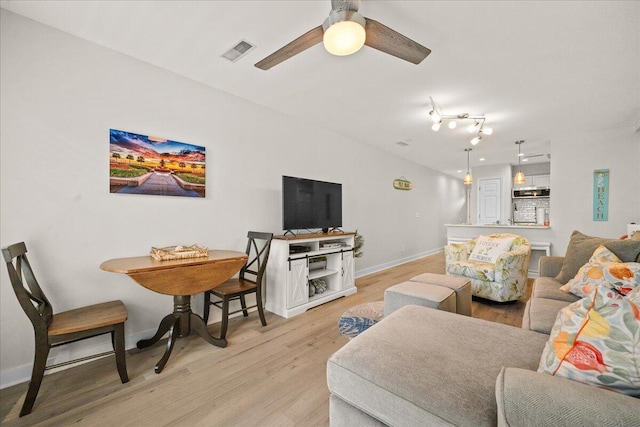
359	31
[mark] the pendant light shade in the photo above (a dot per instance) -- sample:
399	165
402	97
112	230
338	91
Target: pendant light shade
468	179
519	179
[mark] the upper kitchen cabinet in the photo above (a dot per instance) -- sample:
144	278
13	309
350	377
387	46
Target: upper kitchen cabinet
541	180
536	175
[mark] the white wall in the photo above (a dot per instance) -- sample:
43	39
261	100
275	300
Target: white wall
60	95
573	160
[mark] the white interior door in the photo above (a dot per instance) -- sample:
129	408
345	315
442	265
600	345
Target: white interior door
489	200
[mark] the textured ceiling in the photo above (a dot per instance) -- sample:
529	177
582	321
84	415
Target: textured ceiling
537	70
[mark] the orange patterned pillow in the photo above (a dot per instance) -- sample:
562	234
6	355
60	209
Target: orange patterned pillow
596	341
604	269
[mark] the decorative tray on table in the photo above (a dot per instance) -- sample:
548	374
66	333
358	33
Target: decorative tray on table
179	252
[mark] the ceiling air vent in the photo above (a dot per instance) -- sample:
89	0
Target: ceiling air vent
238	51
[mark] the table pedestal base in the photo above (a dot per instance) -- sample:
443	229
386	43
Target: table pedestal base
179	324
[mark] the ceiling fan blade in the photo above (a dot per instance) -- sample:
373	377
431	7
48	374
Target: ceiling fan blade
300	44
385	39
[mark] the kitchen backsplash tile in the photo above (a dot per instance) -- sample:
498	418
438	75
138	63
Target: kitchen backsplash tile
524	210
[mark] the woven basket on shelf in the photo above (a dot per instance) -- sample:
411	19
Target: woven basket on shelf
179	252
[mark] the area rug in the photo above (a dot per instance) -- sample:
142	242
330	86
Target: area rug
360	318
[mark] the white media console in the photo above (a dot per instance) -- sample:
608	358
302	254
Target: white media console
327	256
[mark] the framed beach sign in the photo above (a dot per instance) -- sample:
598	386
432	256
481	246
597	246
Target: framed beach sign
601	195
142	164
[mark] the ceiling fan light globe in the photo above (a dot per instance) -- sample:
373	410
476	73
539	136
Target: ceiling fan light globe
344	33
486	130
475	140
436	126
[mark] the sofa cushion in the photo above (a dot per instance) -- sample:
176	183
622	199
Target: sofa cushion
595	341
552	401
581	248
540	314
488	249
415	367
547	287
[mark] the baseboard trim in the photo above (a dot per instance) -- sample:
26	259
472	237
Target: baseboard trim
395	263
22	373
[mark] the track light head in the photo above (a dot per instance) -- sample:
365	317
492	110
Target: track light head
486	130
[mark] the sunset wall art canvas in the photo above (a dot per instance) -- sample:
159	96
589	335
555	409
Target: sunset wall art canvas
141	164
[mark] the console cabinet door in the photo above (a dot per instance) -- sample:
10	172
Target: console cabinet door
297	282
348	280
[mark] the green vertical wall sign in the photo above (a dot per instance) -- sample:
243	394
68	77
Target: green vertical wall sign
601	195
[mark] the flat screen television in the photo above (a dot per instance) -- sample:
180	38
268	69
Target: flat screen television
307	204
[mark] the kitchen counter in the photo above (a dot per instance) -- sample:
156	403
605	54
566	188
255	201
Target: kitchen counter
532	226
539	237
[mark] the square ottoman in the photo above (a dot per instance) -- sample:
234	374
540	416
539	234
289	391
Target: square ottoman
416	293
460	285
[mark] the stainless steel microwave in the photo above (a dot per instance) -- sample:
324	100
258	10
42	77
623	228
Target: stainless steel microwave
530	193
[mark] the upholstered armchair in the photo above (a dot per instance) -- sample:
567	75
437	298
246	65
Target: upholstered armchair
504	280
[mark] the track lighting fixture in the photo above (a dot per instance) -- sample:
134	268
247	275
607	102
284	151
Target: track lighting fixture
477	127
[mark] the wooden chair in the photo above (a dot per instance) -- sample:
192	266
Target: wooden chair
52	330
249	281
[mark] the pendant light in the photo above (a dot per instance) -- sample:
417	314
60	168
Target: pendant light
519	179
468	179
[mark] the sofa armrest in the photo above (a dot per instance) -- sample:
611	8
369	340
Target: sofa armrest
528	398
550	266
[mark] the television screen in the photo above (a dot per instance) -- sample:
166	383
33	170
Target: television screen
307	203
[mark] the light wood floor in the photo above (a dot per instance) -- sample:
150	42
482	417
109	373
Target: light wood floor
267	376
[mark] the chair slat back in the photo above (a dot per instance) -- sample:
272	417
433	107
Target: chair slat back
258	248
25	285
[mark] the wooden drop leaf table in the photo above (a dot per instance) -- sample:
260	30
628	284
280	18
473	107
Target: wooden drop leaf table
180	278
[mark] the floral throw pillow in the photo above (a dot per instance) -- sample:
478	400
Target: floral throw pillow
604	269
488	249
596	341
602	254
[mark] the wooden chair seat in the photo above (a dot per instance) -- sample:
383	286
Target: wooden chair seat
53	330
249	282
231	287
88	318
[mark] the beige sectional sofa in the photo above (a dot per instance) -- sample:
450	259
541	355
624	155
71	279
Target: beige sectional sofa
421	366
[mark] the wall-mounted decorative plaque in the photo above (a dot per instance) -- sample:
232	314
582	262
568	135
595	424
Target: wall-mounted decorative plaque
402	183
601	195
